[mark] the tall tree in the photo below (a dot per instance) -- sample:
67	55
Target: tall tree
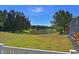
28	24
9	21
15	21
61	20
2	20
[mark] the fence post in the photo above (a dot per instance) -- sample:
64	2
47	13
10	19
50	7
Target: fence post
1	48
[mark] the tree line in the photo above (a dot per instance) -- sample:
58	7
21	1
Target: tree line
38	27
13	21
16	21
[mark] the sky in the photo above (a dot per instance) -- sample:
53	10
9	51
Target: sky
41	14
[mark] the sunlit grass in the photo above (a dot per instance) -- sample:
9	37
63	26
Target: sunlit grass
46	41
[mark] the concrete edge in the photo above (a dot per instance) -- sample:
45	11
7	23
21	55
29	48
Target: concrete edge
36	49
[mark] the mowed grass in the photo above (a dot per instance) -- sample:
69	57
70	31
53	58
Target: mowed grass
46	41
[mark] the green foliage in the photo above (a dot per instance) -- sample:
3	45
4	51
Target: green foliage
37	32
2	17
13	21
62	19
39	27
42	31
60	29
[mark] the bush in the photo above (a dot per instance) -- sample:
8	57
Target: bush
51	30
60	30
42	31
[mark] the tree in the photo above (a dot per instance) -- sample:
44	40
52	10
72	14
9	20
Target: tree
61	21
2	16
16	21
28	25
10	21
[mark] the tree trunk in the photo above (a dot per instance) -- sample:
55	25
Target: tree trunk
66	30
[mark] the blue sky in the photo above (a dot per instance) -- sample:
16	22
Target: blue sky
41	14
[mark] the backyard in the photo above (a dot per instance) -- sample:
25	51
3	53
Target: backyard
38	28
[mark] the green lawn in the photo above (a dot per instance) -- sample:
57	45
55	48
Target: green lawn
45	41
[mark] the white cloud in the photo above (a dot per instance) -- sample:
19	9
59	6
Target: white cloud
37	10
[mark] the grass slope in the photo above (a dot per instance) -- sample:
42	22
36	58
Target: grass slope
47	41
